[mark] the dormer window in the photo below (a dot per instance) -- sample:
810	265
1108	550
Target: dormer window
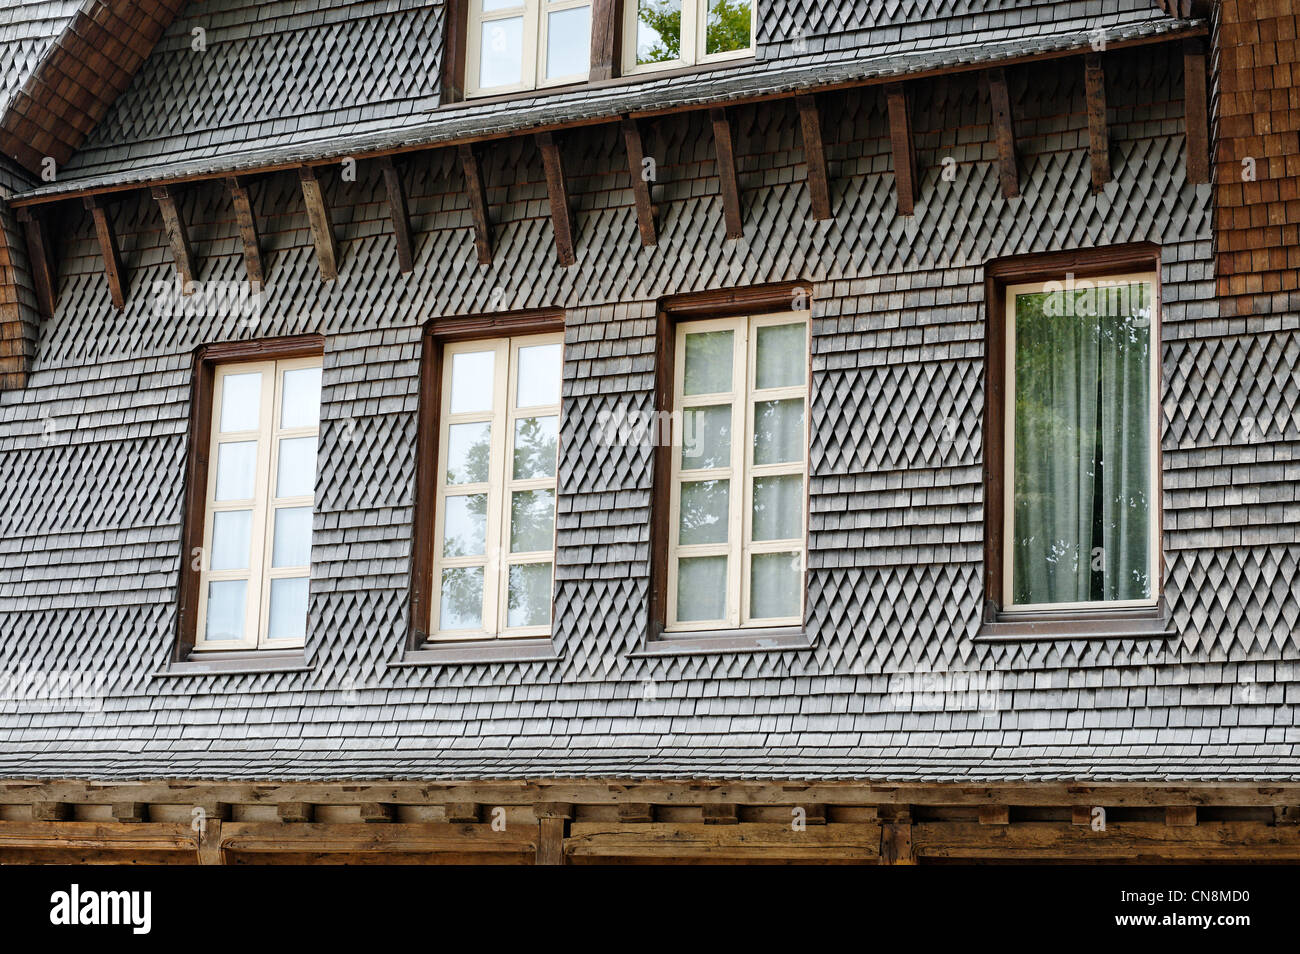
526	44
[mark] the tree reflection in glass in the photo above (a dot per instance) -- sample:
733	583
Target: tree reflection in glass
704	512
462	598
469	453
532	520
534	447
529	597
778	431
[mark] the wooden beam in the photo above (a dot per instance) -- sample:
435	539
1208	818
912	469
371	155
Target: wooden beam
477	203
378	812
1098	132
636	812
814	157
995	815
558	192
247	221
397	213
51	811
729	183
604	39
117	835
1004	132
904	147
296	812
117	281
1236	841
552	830
41	259
645	210
1197	111
397	837
463	813
896	844
684	841
130	812
1180	816
177	237
322	229
723	814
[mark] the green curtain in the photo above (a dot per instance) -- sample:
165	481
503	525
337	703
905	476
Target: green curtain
1082	411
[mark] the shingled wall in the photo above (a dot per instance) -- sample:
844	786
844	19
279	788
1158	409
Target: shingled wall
91	456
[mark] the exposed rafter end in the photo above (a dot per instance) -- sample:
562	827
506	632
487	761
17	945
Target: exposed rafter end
730	185
1004	131
478	209
558	192
1098	133
177	237
247	221
641	177
904	147
322	229
814	157
1197	111
117	280
42	259
398	214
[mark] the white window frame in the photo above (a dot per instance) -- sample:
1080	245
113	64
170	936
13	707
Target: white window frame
693	39
501	483
740	472
264	503
535	14
1154	555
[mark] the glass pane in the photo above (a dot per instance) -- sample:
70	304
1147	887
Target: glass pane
471	381
300	399
490	5
704	512
469	452
778	508
568	42
461	606
292	537
706	437
780	359
774	584
529	599
230	539
236	470
241	402
658	31
297	467
225	619
540	369
464	526
778	431
727	27
708	362
501	55
535	447
1083	405
532	520
701	588
288	618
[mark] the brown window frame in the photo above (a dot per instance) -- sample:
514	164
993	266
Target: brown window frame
206	360
672	312
1092	622
438	332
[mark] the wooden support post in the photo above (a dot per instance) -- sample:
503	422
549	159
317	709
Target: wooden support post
1080	815
904	148
636	812
117	282
720	814
604	39
552	828
558	192
296	812
1180	816
51	811
729	183
177	237
1286	814
1004	131
1197	111
637	172
134	812
463	813
247	222
1098	133
41	259
207	818
995	815
896	843
318	217
814	157
397	213
378	812
477	202
814	814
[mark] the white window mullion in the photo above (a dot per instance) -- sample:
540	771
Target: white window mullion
741	457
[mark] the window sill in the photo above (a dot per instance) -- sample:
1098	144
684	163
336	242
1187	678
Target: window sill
1130	623
469	653
700	643
236	662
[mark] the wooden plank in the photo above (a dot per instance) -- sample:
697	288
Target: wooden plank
247	222
551	836
41	259
322	229
814	156
474	188
1004	132
117	281
1180	816
398	214
210	850
904	147
724	814
177	236
1119	841
463	813
1197	111
558	192
896	844
378	812
636	812
726	162
296	812
748	841
76	834
400	836
995	815
51	811
645	210
130	812
604	39
1098	131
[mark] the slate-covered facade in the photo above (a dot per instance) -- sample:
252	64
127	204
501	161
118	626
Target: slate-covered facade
895	720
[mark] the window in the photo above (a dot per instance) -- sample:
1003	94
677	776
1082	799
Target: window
494	520
258	500
665	33
524	44
739	464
